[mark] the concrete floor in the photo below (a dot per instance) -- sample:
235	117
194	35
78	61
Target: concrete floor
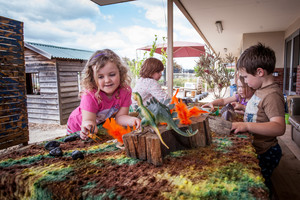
286	177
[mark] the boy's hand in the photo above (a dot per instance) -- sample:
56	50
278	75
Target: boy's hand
239	127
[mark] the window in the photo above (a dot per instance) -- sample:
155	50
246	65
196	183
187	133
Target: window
292	60
32	83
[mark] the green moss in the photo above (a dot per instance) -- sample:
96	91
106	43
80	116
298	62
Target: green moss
243	136
22	161
40	190
222	144
123	160
89	185
177	154
109	194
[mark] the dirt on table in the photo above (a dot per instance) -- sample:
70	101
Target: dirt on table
221	170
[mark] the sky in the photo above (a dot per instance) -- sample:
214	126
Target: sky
82	24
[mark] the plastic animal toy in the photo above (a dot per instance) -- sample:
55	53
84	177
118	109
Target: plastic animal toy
228	112
93	135
116	130
162	114
184	113
147	116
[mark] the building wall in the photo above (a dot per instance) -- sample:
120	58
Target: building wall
292	28
274	40
68	86
43	108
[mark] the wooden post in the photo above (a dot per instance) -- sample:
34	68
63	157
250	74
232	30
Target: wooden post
147	146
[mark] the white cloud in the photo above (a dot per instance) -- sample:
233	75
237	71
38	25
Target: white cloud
156	11
80	24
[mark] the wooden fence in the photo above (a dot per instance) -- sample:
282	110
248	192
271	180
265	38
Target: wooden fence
13	117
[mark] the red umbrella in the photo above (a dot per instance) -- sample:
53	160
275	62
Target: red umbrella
180	49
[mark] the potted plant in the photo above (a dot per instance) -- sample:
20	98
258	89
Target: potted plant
213	70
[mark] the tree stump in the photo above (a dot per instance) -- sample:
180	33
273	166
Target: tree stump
147	146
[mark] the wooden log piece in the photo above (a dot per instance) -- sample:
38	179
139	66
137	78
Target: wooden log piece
219	125
147	146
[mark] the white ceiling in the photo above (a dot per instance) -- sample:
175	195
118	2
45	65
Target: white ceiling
238	17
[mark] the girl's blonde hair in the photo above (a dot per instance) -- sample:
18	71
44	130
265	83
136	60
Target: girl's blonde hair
151	66
248	90
97	61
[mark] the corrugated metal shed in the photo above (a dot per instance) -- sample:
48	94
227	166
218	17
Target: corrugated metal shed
50	51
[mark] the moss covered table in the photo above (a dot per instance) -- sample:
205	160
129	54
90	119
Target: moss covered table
227	169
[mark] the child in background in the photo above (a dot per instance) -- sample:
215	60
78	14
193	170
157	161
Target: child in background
264	114
106	93
238	101
147	85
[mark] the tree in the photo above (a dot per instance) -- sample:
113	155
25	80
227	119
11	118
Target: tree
135	65
213	70
177	67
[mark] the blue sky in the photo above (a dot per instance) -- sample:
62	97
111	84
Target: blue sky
82	24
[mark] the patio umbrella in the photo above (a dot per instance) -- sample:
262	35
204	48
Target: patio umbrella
180	49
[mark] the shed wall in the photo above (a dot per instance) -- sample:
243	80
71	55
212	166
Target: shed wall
43	108
68	72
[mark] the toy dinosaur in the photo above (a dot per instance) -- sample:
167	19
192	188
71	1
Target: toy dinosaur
228	112
184	113
146	115
162	114
116	130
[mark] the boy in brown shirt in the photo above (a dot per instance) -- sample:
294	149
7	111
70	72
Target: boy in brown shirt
264	114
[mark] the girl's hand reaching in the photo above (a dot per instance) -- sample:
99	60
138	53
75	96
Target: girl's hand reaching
136	122
238	108
86	128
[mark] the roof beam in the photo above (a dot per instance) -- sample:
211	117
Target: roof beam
108	2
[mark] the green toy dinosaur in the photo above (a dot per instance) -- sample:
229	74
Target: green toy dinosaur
146	115
163	115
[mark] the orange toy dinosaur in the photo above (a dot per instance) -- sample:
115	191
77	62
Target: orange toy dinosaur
116	130
184	114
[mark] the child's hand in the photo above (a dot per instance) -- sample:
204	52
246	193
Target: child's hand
238	127
238	108
136	122
209	105
86	128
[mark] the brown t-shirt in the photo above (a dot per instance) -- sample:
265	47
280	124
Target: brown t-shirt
267	102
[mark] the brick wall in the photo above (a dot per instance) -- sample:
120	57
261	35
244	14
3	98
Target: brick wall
279	79
298	81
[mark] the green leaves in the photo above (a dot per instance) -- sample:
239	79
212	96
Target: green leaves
213	70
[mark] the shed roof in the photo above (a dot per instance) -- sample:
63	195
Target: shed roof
50	51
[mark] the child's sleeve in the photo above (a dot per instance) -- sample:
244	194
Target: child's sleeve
237	98
274	105
89	103
126	93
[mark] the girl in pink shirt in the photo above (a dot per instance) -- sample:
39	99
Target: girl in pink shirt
106	93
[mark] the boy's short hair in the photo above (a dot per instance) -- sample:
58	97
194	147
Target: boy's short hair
151	66
257	56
